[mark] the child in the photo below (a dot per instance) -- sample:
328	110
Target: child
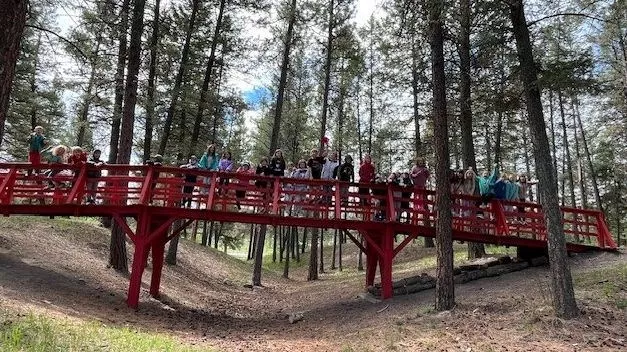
406	183
469	187
209	160
77	158
366	175
190	181
241	194
315	163
393	180
330	164
225	165
419	176
56	158
277	163
36	143
345	173
263	169
93	175
300	172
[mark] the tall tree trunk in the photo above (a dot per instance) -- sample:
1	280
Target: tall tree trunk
150	99
334	250
444	289
488	148
321	251
552	127
593	174
12	22
359	135
117	257
178	81
561	281
525	138
313	256
261	239
371	87
475	250
202	102
580	172
498	138
83	116
569	161
118	100
415	89
34	111
285	64
170	257
288	245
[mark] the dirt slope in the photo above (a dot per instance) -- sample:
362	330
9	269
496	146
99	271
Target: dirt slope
59	267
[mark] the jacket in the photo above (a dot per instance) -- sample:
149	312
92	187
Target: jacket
366	173
209	162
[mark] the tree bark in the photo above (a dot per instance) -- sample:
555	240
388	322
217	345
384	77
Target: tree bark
152	73
117	257
313	256
261	240
202	102
12	22
83	116
288	245
118	99
569	161
327	77
580	172
170	257
415	89
444	289
475	250
178	82
593	174
278	111
561	281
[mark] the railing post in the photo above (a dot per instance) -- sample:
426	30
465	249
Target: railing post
391	210
276	195
212	191
501	220
6	188
146	193
79	186
338	201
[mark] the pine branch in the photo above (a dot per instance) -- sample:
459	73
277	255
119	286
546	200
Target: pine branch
60	37
577	14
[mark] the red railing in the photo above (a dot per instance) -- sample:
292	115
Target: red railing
307	202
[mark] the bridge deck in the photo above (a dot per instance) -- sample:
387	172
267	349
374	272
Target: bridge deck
157	196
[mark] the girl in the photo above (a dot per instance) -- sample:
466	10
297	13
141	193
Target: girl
240	193
406	183
419	176
56	157
190	181
209	161
277	163
366	175
93	175
469	187
225	165
394	181
300	172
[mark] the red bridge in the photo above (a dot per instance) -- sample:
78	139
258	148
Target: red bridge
153	198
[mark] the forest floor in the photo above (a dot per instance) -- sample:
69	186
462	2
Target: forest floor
56	269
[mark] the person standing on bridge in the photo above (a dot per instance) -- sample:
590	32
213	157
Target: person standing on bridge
93	174
330	164
36	143
209	162
345	173
366	176
277	163
190	181
419	176
301	172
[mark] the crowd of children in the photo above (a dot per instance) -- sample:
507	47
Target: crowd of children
321	164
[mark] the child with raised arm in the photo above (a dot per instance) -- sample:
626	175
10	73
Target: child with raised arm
419	175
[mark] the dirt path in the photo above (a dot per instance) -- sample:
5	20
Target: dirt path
59	267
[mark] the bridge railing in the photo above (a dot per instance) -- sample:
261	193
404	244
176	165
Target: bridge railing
119	185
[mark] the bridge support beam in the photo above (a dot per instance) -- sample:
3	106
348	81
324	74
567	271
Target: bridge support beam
385	263
158	252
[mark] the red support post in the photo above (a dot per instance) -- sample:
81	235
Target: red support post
138	266
385	263
7	185
338	201
276	196
158	253
501	221
212	191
